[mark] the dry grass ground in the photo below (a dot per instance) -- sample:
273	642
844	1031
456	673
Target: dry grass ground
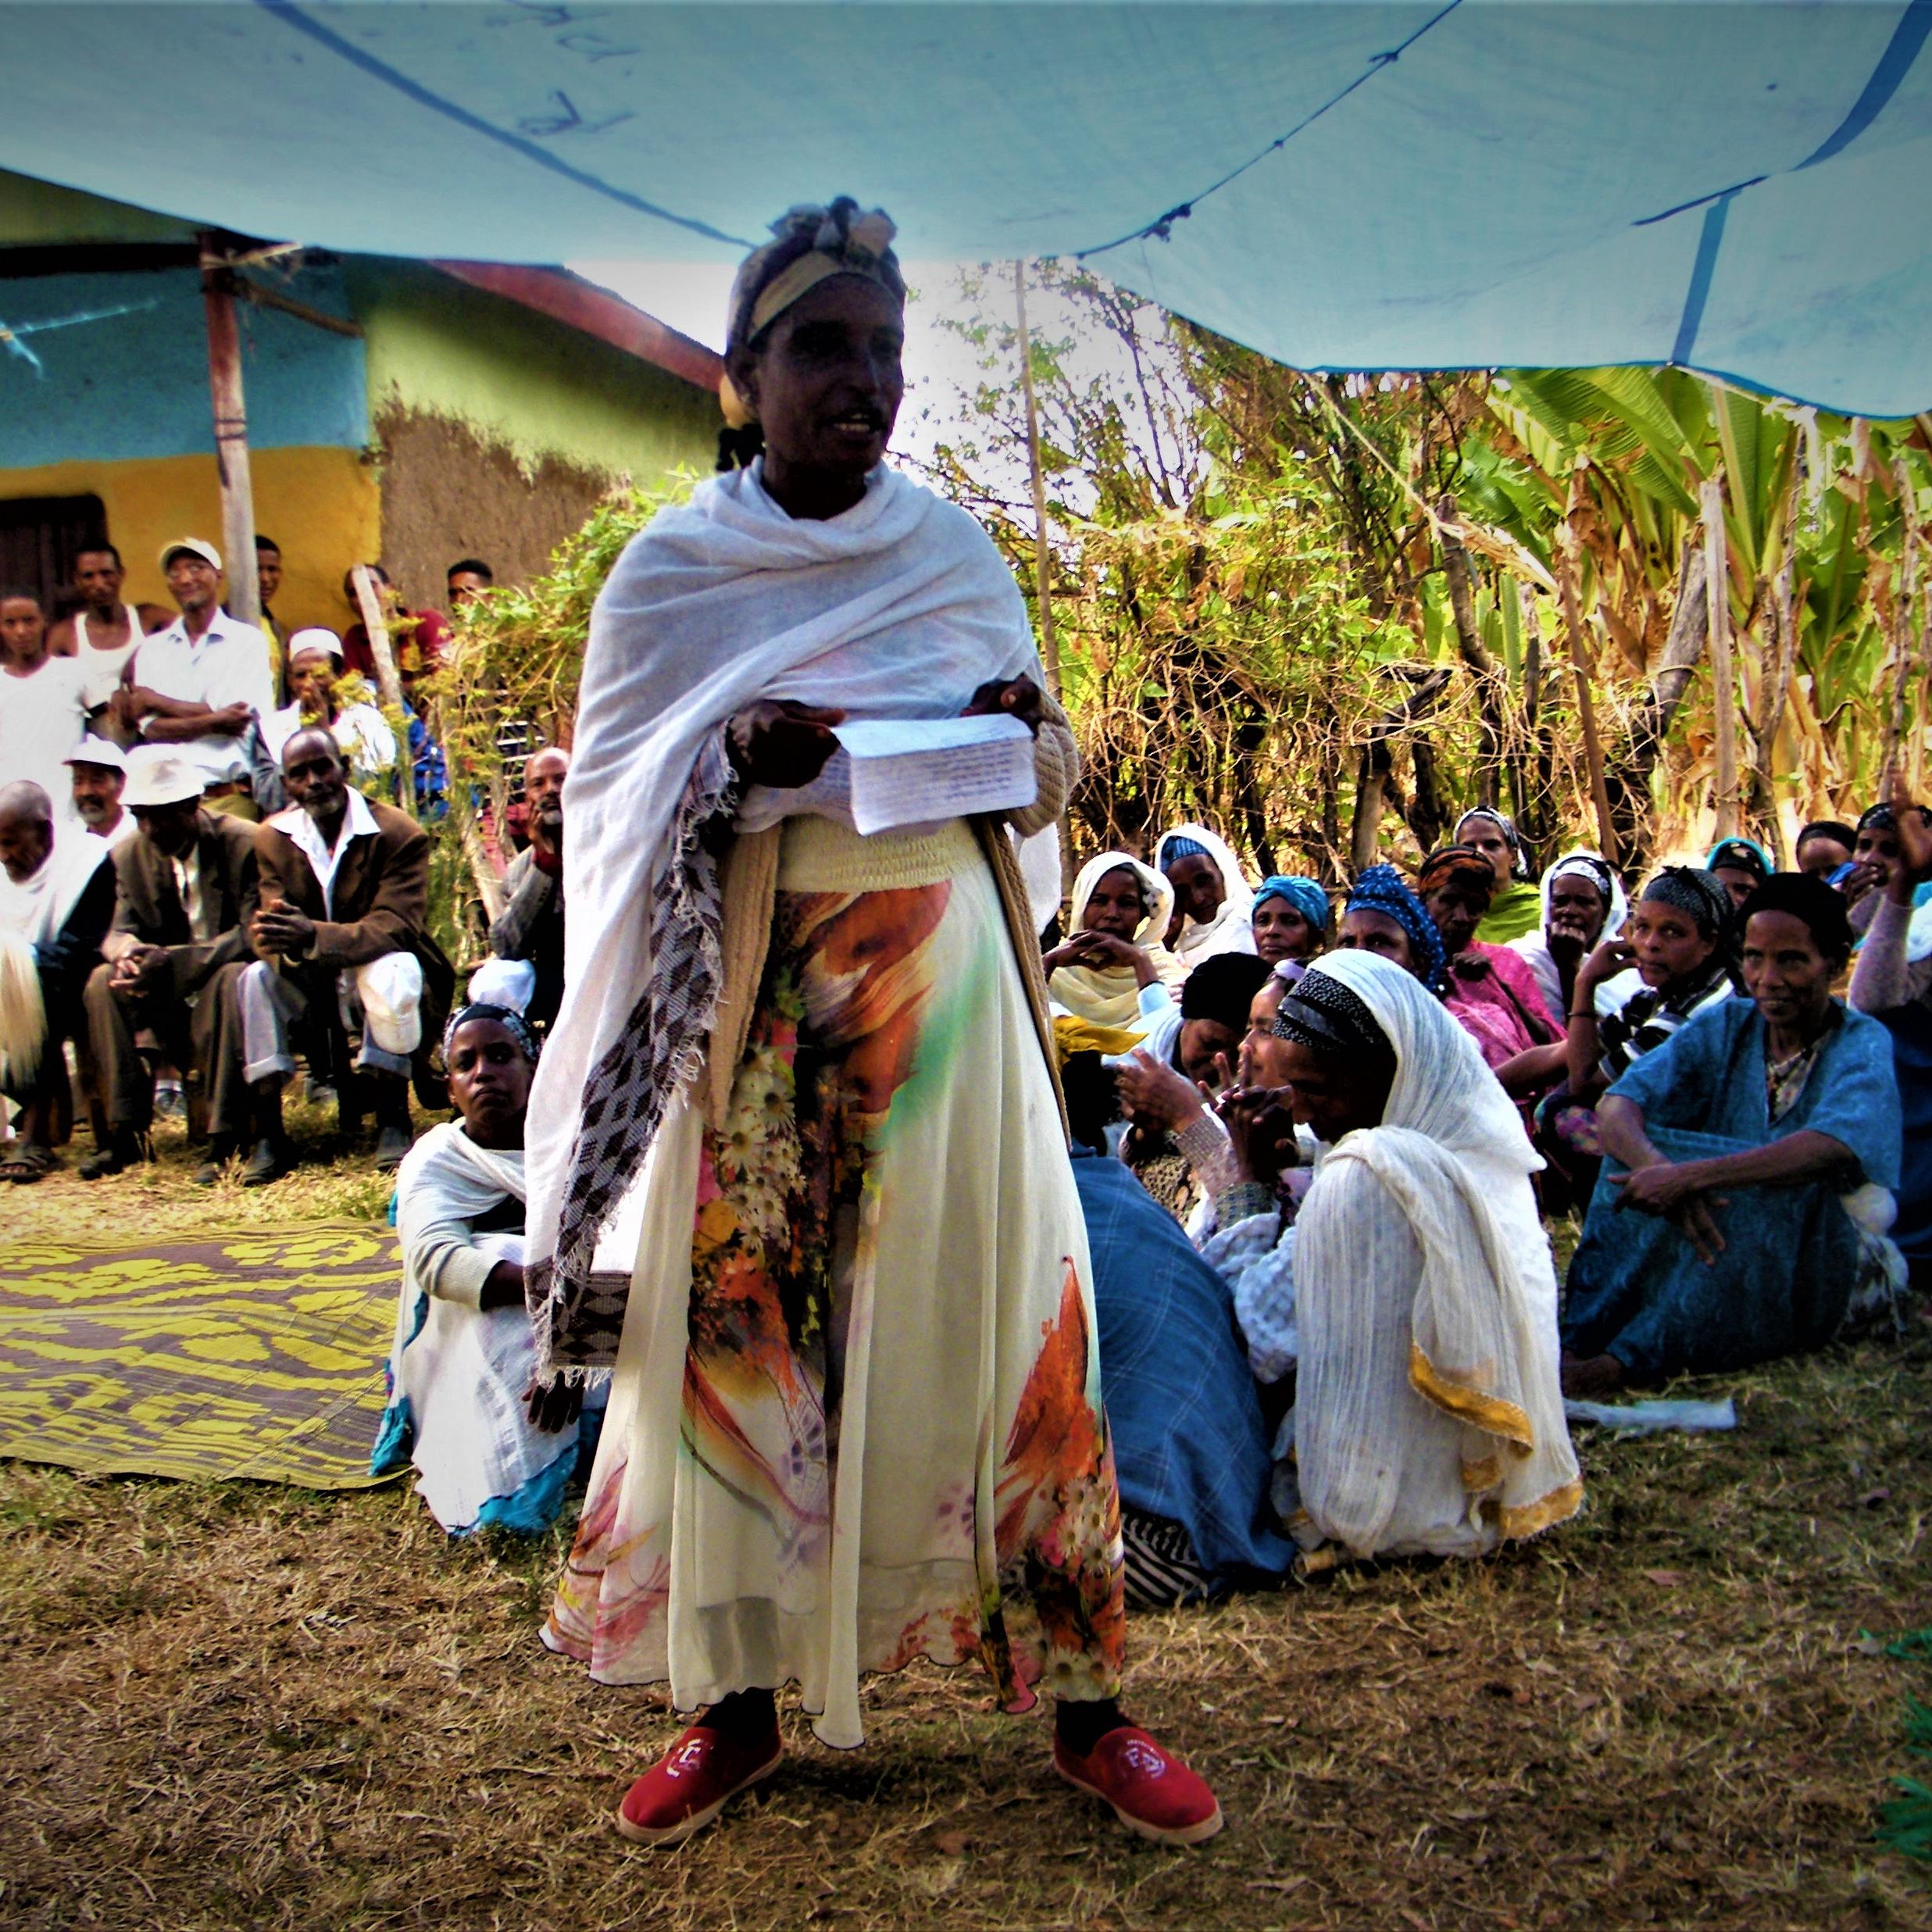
240	1706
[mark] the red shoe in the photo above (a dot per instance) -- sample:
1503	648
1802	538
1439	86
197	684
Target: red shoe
1150	1790
692	1783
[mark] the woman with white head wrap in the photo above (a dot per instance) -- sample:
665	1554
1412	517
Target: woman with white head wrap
1211	893
1427	1416
1583	904
1114	971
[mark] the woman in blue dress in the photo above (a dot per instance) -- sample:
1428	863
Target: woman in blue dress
1751	1163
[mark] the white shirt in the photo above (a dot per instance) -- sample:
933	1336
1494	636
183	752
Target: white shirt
41	720
228	664
325	861
361	731
118	832
188	885
102	666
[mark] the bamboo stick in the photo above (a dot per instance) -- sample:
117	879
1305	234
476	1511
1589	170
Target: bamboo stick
1904	595
1562	556
1042	556
243	597
1723	681
375	621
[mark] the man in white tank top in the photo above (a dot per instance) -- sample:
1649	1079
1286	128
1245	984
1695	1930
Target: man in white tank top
103	633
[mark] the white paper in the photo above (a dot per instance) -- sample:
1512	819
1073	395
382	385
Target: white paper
923	771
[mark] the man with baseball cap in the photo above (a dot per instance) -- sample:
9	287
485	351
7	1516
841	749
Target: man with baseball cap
206	682
99	769
185	891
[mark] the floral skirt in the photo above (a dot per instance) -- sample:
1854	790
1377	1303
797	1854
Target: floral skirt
856	1415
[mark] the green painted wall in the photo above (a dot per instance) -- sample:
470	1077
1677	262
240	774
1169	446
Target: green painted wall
38	214
519	380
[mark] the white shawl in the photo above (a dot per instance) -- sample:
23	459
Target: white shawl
1231	929
901	608
1450	1167
35	909
1110	996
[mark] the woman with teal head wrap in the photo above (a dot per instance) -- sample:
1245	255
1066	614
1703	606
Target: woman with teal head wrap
1290	919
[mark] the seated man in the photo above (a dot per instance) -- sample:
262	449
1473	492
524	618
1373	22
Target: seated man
1750	1162
98	769
528	938
1190	1443
316	685
56	898
344	936
491	1445
187	891
1114	970
1427	1418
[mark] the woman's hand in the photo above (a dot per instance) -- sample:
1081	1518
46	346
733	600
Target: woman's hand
1261	1131
1155	1095
1676	1191
778	743
1606	962
555	1405
1020	698
503	1287
1100	951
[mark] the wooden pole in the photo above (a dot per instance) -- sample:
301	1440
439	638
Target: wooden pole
1042	556
1566	562
231	435
375	621
1723	680
1904	595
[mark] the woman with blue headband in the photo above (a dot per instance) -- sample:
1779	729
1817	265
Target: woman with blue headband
855	1416
1289	920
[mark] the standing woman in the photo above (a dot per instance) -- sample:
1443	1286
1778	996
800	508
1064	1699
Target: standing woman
856	1415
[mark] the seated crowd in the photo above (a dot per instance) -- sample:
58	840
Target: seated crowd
1355	1115
1316	1137
206	879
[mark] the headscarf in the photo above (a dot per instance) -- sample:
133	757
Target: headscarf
1381	889
1835	829
1110	996
1304	895
1454	1166
1745	854
1698	893
809	245
1322	1015
1230	930
1448	863
507	1017
1519	863
1807	898
1222	989
1584	864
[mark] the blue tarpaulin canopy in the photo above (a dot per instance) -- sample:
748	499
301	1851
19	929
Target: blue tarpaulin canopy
1743	188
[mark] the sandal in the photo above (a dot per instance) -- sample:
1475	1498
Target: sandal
30	1163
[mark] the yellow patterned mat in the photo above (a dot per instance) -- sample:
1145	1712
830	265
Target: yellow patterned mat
251	1355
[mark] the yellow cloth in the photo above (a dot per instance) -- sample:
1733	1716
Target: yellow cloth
1072	1036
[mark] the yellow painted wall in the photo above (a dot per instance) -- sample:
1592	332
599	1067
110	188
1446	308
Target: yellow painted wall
323	506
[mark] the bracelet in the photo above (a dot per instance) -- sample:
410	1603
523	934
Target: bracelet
1582	1012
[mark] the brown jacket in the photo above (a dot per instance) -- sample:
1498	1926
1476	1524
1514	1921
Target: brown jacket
382	898
149	910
